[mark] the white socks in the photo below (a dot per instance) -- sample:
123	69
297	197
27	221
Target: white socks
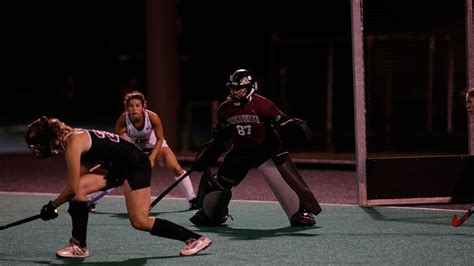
186	187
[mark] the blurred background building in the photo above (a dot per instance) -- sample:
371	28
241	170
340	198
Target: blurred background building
75	60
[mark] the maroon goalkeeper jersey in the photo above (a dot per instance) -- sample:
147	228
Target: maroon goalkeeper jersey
251	122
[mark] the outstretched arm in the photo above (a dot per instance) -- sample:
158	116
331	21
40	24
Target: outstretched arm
120	126
75	144
282	121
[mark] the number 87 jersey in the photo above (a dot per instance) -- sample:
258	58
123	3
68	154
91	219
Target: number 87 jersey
250	123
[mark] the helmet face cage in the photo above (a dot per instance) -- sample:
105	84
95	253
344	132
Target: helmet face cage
240	79
38	138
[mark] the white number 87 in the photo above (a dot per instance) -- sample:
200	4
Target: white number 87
244	130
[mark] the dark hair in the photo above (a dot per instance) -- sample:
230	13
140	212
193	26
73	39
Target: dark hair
44	131
133	95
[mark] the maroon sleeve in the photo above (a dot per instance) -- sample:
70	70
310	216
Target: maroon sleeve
268	108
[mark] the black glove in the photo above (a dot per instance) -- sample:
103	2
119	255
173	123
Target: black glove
209	155
49	211
301	124
201	163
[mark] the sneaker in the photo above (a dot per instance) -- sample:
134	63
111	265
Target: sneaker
193	204
73	251
194	246
92	208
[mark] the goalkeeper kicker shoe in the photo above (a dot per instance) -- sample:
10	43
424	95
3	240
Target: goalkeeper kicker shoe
303	219
196	245
193	204
201	219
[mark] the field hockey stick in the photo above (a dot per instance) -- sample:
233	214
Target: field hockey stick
164	193
34	217
94	199
459	221
97	197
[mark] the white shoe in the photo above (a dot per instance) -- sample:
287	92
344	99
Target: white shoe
92	208
196	246
73	251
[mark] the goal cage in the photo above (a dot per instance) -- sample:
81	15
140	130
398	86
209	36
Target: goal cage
412	61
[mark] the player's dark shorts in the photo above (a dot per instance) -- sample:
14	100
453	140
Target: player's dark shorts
137	171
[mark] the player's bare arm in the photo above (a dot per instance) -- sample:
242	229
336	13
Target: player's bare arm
120	126
75	144
158	129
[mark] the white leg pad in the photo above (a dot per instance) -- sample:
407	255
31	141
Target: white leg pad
287	197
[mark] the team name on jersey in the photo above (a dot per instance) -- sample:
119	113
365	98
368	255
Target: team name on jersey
239	119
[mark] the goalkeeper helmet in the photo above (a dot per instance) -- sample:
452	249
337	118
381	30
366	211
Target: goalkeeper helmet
240	79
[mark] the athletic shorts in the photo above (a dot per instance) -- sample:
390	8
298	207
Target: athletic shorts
137	173
147	148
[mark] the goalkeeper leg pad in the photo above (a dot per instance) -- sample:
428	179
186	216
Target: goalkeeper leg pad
213	200
289	188
214	210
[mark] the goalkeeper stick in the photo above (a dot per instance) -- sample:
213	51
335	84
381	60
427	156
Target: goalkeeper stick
456	222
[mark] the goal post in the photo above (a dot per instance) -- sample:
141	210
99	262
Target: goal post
413	144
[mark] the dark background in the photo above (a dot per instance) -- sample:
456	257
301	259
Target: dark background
75	60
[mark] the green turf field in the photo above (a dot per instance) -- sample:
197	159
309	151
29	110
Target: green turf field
258	235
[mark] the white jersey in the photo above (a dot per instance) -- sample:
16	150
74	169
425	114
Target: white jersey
145	138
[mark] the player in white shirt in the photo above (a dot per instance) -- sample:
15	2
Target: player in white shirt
144	128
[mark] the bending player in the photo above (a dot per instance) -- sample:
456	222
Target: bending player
250	122
128	166
144	128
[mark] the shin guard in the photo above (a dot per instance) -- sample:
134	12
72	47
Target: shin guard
79	215
167	229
